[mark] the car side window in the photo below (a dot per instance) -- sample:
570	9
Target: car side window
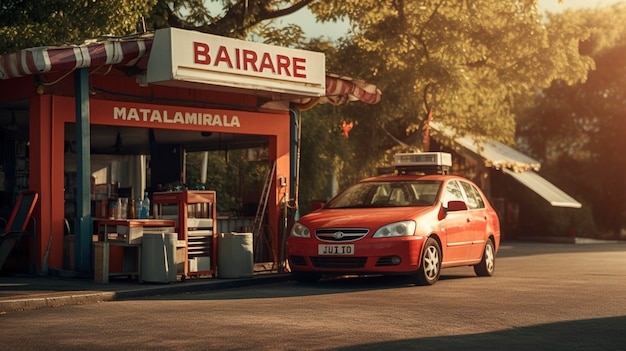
474	200
453	192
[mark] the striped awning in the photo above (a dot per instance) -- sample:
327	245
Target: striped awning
122	52
129	51
339	90
343	89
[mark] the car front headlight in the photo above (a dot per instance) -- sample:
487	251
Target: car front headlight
300	231
404	228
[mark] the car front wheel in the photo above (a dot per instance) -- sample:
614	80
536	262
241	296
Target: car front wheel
488	263
430	267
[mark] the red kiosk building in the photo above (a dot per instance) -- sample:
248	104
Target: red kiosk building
154	93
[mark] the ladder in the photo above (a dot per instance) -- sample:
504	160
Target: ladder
262	208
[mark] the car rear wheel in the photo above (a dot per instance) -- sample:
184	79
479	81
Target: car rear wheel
305	277
488	263
430	267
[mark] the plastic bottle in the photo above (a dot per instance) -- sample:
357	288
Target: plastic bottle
145	207
112	209
138	207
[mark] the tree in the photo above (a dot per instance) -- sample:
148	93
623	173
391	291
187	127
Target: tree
577	130
470	61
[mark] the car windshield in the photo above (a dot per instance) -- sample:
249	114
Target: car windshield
388	194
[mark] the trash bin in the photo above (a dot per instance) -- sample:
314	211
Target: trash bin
158	257
234	255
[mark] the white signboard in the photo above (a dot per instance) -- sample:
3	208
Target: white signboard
179	56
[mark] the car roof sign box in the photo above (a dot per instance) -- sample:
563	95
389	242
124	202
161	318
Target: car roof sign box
423	162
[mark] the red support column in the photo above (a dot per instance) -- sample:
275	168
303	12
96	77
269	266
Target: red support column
46	177
279	148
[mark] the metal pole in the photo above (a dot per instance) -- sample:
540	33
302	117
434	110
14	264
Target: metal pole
84	221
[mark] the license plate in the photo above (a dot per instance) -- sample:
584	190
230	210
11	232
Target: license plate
335	249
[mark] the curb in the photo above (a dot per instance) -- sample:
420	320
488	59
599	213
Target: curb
57	299
26	304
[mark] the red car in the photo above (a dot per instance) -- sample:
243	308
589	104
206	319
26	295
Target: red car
406	223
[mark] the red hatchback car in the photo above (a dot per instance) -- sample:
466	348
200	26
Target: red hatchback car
405	223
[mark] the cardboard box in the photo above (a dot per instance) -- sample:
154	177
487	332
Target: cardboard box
199	264
193	264
204	263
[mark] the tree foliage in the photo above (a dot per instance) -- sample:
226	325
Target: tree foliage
578	130
25	24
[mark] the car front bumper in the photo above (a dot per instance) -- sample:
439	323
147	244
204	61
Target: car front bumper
371	256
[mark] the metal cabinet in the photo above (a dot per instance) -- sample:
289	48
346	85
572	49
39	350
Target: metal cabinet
195	214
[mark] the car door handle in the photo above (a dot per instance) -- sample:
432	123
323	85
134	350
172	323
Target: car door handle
469	219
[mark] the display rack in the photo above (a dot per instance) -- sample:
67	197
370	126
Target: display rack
195	214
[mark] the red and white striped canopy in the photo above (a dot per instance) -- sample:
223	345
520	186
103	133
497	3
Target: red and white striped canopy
67	58
128	51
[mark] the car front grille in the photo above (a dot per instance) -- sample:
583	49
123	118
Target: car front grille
341	234
338	262
297	260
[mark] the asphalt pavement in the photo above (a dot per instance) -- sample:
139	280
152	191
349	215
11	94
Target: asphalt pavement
27	292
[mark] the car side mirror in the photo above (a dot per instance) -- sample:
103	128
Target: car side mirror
456	205
316	205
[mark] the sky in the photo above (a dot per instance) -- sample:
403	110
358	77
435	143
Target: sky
555	6
332	31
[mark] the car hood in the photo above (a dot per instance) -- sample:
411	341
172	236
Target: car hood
361	217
